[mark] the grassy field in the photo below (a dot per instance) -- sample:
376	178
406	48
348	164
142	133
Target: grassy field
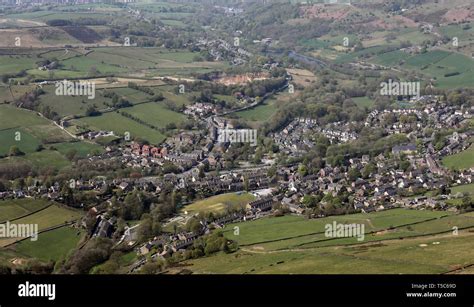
116	60
49	217
392	58
17	137
16	91
430	255
13	117
364	102
82	149
32	123
71	105
460	161
42	159
265	111
465	188
12	64
219	203
15	208
128	60
51	245
155	114
427	58
427	247
113	121
295	230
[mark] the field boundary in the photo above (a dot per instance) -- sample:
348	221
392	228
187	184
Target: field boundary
42	231
321	232
376	241
28	214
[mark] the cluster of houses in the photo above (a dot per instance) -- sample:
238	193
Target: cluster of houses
200	109
385	188
435	115
295	138
220	49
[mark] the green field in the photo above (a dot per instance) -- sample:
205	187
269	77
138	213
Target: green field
265	110
460	161
113	121
392	58
13	117
117	60
42	159
408	256
31	123
364	102
10	64
155	114
83	149
427	58
132	95
465	188
295	230
15	208
219	203
51	245
16	91
49	217
277	245
71	105
17	137
127	60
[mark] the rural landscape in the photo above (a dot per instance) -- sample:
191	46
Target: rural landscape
236	137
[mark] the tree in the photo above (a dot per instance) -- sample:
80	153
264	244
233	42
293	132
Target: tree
92	111
302	170
14	151
71	154
246	183
354	174
19	184
193	225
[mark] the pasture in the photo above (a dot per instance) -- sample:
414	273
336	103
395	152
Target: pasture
41	160
15	208
364	102
49	217
461	160
51	245
82	149
13	117
16	91
409	256
113	121
406	252
265	110
155	114
465	188
219	203
31	123
288	231
17	137
12	64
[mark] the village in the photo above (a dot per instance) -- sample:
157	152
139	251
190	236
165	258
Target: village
365	184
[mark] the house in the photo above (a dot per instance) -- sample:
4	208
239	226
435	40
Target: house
259	205
405	149
125	186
